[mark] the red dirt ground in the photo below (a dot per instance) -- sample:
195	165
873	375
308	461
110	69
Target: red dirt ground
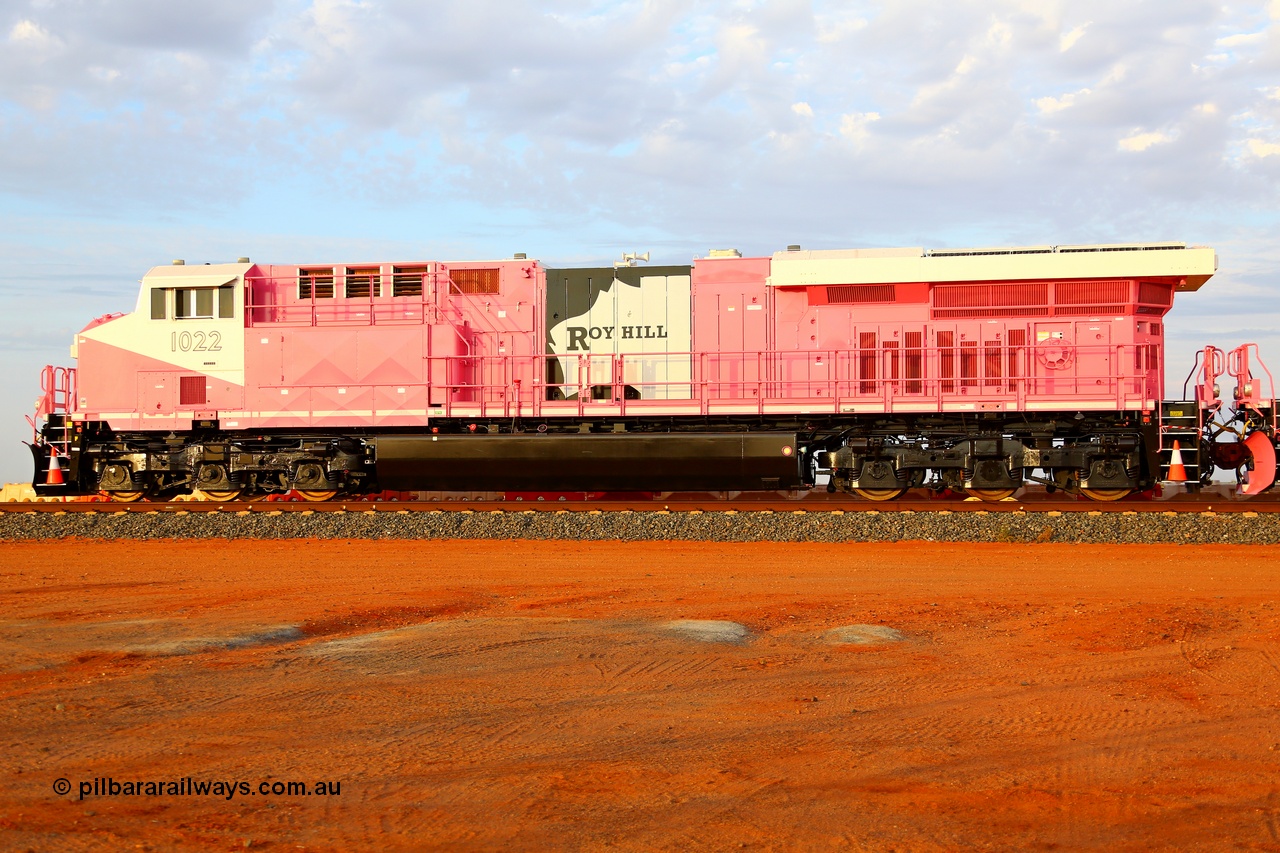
526	695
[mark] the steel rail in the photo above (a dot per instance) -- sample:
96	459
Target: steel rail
1179	505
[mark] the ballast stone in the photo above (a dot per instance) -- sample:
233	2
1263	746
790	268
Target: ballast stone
707	526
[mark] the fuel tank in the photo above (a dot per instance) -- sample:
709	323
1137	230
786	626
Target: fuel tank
597	462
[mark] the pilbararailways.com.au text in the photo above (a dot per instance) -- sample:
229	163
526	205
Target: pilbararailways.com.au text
106	786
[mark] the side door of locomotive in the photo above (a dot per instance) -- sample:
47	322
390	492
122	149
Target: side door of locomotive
1093	354
731	365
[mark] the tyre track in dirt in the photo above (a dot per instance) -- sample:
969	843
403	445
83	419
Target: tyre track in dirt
482	699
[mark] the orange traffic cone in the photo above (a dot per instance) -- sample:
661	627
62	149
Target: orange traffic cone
1177	471
55	470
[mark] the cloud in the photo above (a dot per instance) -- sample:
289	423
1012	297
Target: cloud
1069	39
1260	148
836	25
1241	39
855	127
700	113
1143	141
1049	105
27	33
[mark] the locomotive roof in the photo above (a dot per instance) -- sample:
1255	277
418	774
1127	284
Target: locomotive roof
198	275
1192	266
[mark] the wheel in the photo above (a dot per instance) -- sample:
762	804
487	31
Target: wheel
1105	494
991	495
317	496
125	497
880	494
223	496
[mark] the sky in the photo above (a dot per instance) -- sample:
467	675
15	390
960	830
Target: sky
133	132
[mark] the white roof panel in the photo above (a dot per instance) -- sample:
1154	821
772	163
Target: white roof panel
1027	263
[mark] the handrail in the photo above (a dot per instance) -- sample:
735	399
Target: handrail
832	381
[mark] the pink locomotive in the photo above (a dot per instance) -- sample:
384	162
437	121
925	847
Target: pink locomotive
870	371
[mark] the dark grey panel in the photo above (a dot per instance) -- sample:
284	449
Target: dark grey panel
606	462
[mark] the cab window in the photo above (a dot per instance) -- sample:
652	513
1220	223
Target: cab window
197	303
193	303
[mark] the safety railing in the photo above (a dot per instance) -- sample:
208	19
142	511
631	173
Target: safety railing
836	381
57	396
276	301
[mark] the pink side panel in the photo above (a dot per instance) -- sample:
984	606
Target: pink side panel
731	308
115	380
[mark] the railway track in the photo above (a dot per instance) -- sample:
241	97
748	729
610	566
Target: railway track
1214	500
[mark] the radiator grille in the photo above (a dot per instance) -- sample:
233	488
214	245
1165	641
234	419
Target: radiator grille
1155	294
856	293
191	391
1093	292
474	281
1024	299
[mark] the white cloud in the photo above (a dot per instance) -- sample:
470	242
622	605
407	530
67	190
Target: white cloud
414	105
1241	39
31	35
1068	40
1143	141
1116	74
1000	35
1050	105
855	127
1259	148
336	22
837	27
27	31
932	91
106	75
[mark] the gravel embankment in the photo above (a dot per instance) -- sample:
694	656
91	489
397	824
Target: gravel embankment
1244	528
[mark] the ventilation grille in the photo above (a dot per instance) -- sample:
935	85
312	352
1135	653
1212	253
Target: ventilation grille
844	294
191	391
317	284
407	281
363	283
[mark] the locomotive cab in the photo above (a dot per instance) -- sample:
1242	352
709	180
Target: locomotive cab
177	359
